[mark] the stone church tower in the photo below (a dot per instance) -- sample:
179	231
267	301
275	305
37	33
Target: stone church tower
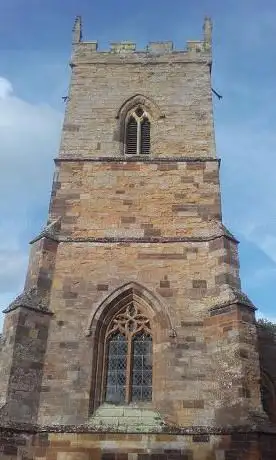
132	339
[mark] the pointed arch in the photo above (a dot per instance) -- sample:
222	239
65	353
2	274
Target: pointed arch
139	100
120	296
137	118
111	320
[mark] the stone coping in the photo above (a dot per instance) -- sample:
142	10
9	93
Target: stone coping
167	429
30	299
238	297
137	159
68	239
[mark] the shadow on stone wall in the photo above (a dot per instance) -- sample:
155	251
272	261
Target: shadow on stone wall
234	445
267	351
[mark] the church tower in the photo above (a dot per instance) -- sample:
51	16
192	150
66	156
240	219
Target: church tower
132	339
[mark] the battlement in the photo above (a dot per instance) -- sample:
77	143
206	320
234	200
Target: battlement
159	48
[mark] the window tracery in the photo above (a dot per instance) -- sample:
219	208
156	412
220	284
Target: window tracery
128	370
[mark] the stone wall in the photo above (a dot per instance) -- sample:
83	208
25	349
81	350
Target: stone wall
23	368
7	342
267	351
239	445
137	199
179	283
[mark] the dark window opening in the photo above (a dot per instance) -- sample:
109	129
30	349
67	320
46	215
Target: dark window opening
145	136
131	137
138	133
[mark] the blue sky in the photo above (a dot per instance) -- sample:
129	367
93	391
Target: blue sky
35	42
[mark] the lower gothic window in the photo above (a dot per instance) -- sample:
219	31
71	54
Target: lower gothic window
128	370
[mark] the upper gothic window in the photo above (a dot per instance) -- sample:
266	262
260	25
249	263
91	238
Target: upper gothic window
138	133
128	368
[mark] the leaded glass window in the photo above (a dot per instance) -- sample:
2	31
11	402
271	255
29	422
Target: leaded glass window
128	370
138	133
141	368
116	368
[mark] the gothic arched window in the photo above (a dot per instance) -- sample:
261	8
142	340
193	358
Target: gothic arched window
138	133
128	358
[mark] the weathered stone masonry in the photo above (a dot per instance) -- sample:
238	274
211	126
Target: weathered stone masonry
144	230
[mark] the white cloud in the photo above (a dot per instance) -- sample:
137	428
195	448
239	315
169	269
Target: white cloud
5	88
29	136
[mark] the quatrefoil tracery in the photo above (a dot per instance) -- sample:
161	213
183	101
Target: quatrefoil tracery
129	321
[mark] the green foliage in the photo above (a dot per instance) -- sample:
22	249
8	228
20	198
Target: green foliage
267	325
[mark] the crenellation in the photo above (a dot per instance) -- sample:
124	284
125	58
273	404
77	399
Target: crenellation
91	45
160	47
86	49
122	47
77	31
195	46
152	49
207	31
